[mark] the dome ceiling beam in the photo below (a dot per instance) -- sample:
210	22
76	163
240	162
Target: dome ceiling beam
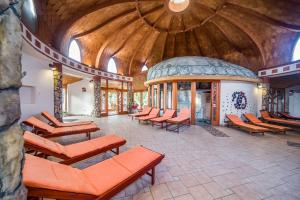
139	45
145	37
219	14
110	20
263	17
197	42
121	29
66	25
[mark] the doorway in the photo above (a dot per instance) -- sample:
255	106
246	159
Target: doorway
203	103
113	102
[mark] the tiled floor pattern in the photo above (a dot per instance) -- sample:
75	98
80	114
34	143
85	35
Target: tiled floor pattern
201	166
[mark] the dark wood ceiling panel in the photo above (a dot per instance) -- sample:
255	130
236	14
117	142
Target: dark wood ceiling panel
252	33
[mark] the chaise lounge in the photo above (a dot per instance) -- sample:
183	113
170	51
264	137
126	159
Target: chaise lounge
47	131
184	118
56	123
153	114
145	112
74	152
288	116
265	115
272	127
160	120
48	179
237	122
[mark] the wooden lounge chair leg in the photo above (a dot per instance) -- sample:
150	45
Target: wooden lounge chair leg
177	128
153	176
118	151
88	135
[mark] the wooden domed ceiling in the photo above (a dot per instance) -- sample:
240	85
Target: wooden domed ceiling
250	33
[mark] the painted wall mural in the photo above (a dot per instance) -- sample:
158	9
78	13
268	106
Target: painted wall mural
240	100
58	101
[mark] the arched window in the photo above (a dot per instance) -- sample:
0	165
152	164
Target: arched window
145	68
74	51
296	54
112	67
29	16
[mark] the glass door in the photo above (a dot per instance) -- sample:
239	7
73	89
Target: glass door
183	95
203	103
112	102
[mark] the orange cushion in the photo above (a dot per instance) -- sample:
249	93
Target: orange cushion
137	158
161	119
178	119
97	144
252	118
39	124
57	123
72	129
42	173
44	143
106	175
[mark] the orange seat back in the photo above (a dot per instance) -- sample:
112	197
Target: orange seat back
154	112
252	118
265	114
184	112
146	110
234	119
34	122
169	113
51	118
31	139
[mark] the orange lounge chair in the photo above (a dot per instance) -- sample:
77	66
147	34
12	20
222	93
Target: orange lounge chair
160	120
153	114
74	152
48	131
145	112
57	123
287	116
48	179
265	115
236	121
272	127
182	119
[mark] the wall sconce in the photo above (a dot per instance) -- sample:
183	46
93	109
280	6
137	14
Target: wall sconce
259	85
53	67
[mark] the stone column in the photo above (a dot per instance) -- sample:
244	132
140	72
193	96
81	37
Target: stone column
11	140
130	97
58	101
97	96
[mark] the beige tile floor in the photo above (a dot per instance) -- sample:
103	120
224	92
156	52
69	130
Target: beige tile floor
201	166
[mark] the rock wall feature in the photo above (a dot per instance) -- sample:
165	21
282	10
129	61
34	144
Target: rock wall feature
11	140
58	88
97	97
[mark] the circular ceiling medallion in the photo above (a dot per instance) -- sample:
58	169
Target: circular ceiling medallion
178	5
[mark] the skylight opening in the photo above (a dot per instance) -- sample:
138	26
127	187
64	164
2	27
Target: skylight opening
178	5
112	67
74	51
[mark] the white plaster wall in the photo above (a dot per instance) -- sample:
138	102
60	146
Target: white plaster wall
293	100
253	95
39	77
80	103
